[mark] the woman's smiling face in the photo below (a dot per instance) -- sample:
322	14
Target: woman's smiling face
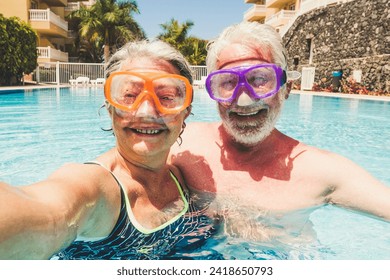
145	131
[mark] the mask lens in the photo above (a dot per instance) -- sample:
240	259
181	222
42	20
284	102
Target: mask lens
171	92
125	89
223	85
262	80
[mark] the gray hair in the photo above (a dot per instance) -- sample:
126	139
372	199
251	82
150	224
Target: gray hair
261	36
155	49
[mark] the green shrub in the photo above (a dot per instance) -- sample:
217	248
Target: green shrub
18	50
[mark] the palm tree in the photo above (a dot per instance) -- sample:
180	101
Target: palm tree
175	33
108	22
194	49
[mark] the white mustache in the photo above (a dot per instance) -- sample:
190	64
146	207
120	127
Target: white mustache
253	108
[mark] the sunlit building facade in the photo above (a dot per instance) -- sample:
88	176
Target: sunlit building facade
47	18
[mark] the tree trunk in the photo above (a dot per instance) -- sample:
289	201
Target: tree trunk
106	53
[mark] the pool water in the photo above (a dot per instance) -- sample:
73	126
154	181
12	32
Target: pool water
42	129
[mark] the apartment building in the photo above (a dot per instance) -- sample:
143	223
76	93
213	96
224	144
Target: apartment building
276	13
47	18
323	37
281	14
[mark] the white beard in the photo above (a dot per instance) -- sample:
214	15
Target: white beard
250	133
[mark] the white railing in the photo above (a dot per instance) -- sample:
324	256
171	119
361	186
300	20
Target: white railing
199	72
280	18
62	72
50	53
255	9
88	3
47	15
72	6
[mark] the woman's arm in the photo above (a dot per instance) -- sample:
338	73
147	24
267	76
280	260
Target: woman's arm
38	220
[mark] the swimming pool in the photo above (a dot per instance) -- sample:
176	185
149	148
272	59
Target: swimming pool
42	129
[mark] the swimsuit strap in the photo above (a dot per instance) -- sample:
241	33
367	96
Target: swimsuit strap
137	225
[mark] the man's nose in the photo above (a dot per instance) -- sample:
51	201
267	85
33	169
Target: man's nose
244	99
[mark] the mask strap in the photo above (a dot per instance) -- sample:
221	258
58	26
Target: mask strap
284	78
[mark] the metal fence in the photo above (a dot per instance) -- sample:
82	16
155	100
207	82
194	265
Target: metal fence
61	72
199	72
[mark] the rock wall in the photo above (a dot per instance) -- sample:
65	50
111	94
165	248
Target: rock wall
348	36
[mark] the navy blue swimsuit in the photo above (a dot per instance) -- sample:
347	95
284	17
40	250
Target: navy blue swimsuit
126	241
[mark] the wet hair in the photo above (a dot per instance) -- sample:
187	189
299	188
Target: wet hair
261	37
155	49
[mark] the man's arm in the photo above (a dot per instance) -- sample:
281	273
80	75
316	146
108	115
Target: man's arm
356	189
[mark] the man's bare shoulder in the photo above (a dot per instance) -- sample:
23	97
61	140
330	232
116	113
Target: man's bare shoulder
323	164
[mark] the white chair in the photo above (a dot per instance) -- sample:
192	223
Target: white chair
98	81
84	81
72	82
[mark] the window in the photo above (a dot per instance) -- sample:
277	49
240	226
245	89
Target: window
34	5
309	49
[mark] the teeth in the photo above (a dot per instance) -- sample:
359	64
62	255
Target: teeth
247	114
148	131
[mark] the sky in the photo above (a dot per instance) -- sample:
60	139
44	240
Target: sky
210	17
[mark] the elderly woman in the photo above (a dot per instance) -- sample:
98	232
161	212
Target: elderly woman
128	203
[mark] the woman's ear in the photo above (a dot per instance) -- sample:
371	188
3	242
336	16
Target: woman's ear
108	107
188	112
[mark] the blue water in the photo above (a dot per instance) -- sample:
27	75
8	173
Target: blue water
42	129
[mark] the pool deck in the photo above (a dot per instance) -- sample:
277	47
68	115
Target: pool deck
343	95
331	94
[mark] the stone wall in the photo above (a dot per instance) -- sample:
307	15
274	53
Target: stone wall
350	36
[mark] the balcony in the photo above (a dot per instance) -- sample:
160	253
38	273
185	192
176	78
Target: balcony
253	1
256	13
72	7
56	3
280	18
277	3
47	22
48	54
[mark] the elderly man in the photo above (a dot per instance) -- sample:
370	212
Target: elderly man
260	181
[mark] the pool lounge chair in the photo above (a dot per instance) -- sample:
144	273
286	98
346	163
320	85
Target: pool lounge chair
84	81
98	81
